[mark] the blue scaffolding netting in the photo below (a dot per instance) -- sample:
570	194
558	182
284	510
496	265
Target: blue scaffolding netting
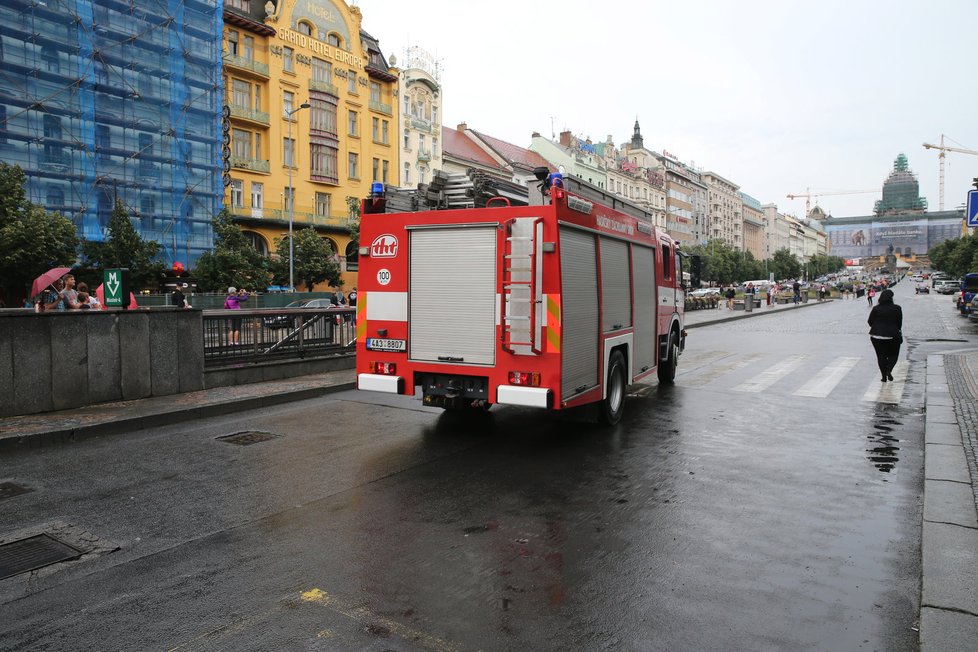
117	99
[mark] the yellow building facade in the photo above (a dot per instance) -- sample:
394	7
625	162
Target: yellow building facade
311	120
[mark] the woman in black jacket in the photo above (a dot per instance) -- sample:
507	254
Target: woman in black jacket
885	332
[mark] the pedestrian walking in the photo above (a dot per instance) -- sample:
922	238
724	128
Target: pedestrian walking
886	333
233	302
730	294
796	288
870	293
178	297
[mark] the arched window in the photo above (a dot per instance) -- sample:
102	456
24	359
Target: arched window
334	40
352	255
257	241
304	28
332	246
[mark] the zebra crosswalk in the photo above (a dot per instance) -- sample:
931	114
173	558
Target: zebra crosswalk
807	375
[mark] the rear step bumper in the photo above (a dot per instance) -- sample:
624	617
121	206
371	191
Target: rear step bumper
379	383
539	397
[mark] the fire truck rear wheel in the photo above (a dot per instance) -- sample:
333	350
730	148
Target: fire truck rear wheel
613	405
667	367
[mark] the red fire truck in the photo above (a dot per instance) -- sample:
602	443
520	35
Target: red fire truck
552	306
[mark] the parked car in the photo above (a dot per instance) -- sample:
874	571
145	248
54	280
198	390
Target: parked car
946	286
705	292
284	321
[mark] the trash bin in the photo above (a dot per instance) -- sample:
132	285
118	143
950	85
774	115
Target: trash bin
748	302
804	296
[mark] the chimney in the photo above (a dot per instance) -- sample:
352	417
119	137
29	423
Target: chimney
536	134
565	138
462	126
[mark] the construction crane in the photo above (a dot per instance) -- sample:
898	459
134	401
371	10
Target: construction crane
808	194
942	148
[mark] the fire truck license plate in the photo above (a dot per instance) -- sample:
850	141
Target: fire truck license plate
378	344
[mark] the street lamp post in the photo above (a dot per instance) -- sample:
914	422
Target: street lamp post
289	114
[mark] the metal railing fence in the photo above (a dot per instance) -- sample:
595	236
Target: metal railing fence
252	336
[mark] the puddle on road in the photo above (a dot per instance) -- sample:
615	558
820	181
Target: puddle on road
884	448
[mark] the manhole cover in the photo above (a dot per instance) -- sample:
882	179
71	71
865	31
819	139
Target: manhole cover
32	553
248	437
11	489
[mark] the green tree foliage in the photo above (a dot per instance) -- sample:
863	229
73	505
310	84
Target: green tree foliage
232	262
722	264
822	264
353	211
124	247
784	265
957	257
315	261
13	196
33	243
32	240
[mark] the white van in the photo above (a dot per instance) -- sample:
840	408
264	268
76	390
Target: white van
763	284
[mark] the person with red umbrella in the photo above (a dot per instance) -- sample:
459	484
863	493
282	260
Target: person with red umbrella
48	287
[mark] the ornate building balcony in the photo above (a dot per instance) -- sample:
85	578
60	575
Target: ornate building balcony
244	113
249	65
382	108
324	87
255	165
421	124
424	155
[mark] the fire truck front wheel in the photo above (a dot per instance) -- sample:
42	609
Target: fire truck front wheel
613	405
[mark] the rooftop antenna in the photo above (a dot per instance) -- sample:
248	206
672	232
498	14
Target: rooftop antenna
553	134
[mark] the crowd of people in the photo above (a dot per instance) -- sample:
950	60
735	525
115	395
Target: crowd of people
64	295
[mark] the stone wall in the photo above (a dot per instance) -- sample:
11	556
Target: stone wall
60	360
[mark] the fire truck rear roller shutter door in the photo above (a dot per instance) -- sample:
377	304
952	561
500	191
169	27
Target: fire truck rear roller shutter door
643	270
579	305
453	301
616	292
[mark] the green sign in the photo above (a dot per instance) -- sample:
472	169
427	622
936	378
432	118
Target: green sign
115	286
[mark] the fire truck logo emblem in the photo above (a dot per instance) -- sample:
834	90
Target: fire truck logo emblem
384	246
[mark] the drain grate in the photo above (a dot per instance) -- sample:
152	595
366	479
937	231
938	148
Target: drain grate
32	553
11	489
248	437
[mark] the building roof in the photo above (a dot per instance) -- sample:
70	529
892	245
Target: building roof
457	145
513	154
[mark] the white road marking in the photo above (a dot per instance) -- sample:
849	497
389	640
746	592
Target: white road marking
707	374
767	378
892	392
825	381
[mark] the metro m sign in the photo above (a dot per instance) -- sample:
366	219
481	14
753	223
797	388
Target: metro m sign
384	246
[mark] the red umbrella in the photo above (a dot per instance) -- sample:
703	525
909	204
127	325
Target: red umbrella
100	295
47	278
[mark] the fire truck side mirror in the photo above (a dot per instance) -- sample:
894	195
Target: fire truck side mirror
694	271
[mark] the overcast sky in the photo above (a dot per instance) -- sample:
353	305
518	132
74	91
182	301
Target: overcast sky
775	95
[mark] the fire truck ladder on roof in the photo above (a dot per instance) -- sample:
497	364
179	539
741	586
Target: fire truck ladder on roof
520	295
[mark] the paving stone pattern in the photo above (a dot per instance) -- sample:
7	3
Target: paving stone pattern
962	371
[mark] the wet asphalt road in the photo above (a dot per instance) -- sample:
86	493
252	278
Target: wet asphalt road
771	500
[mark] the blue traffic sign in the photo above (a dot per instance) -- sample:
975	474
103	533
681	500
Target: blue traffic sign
972	208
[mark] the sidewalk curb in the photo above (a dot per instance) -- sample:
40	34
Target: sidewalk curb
949	525
757	313
164	418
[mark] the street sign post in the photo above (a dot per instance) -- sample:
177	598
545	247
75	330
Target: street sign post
115	286
972	211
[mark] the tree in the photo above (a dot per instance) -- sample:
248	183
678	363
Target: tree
32	240
353	211
315	261
784	265
13	196
232	262
124	247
